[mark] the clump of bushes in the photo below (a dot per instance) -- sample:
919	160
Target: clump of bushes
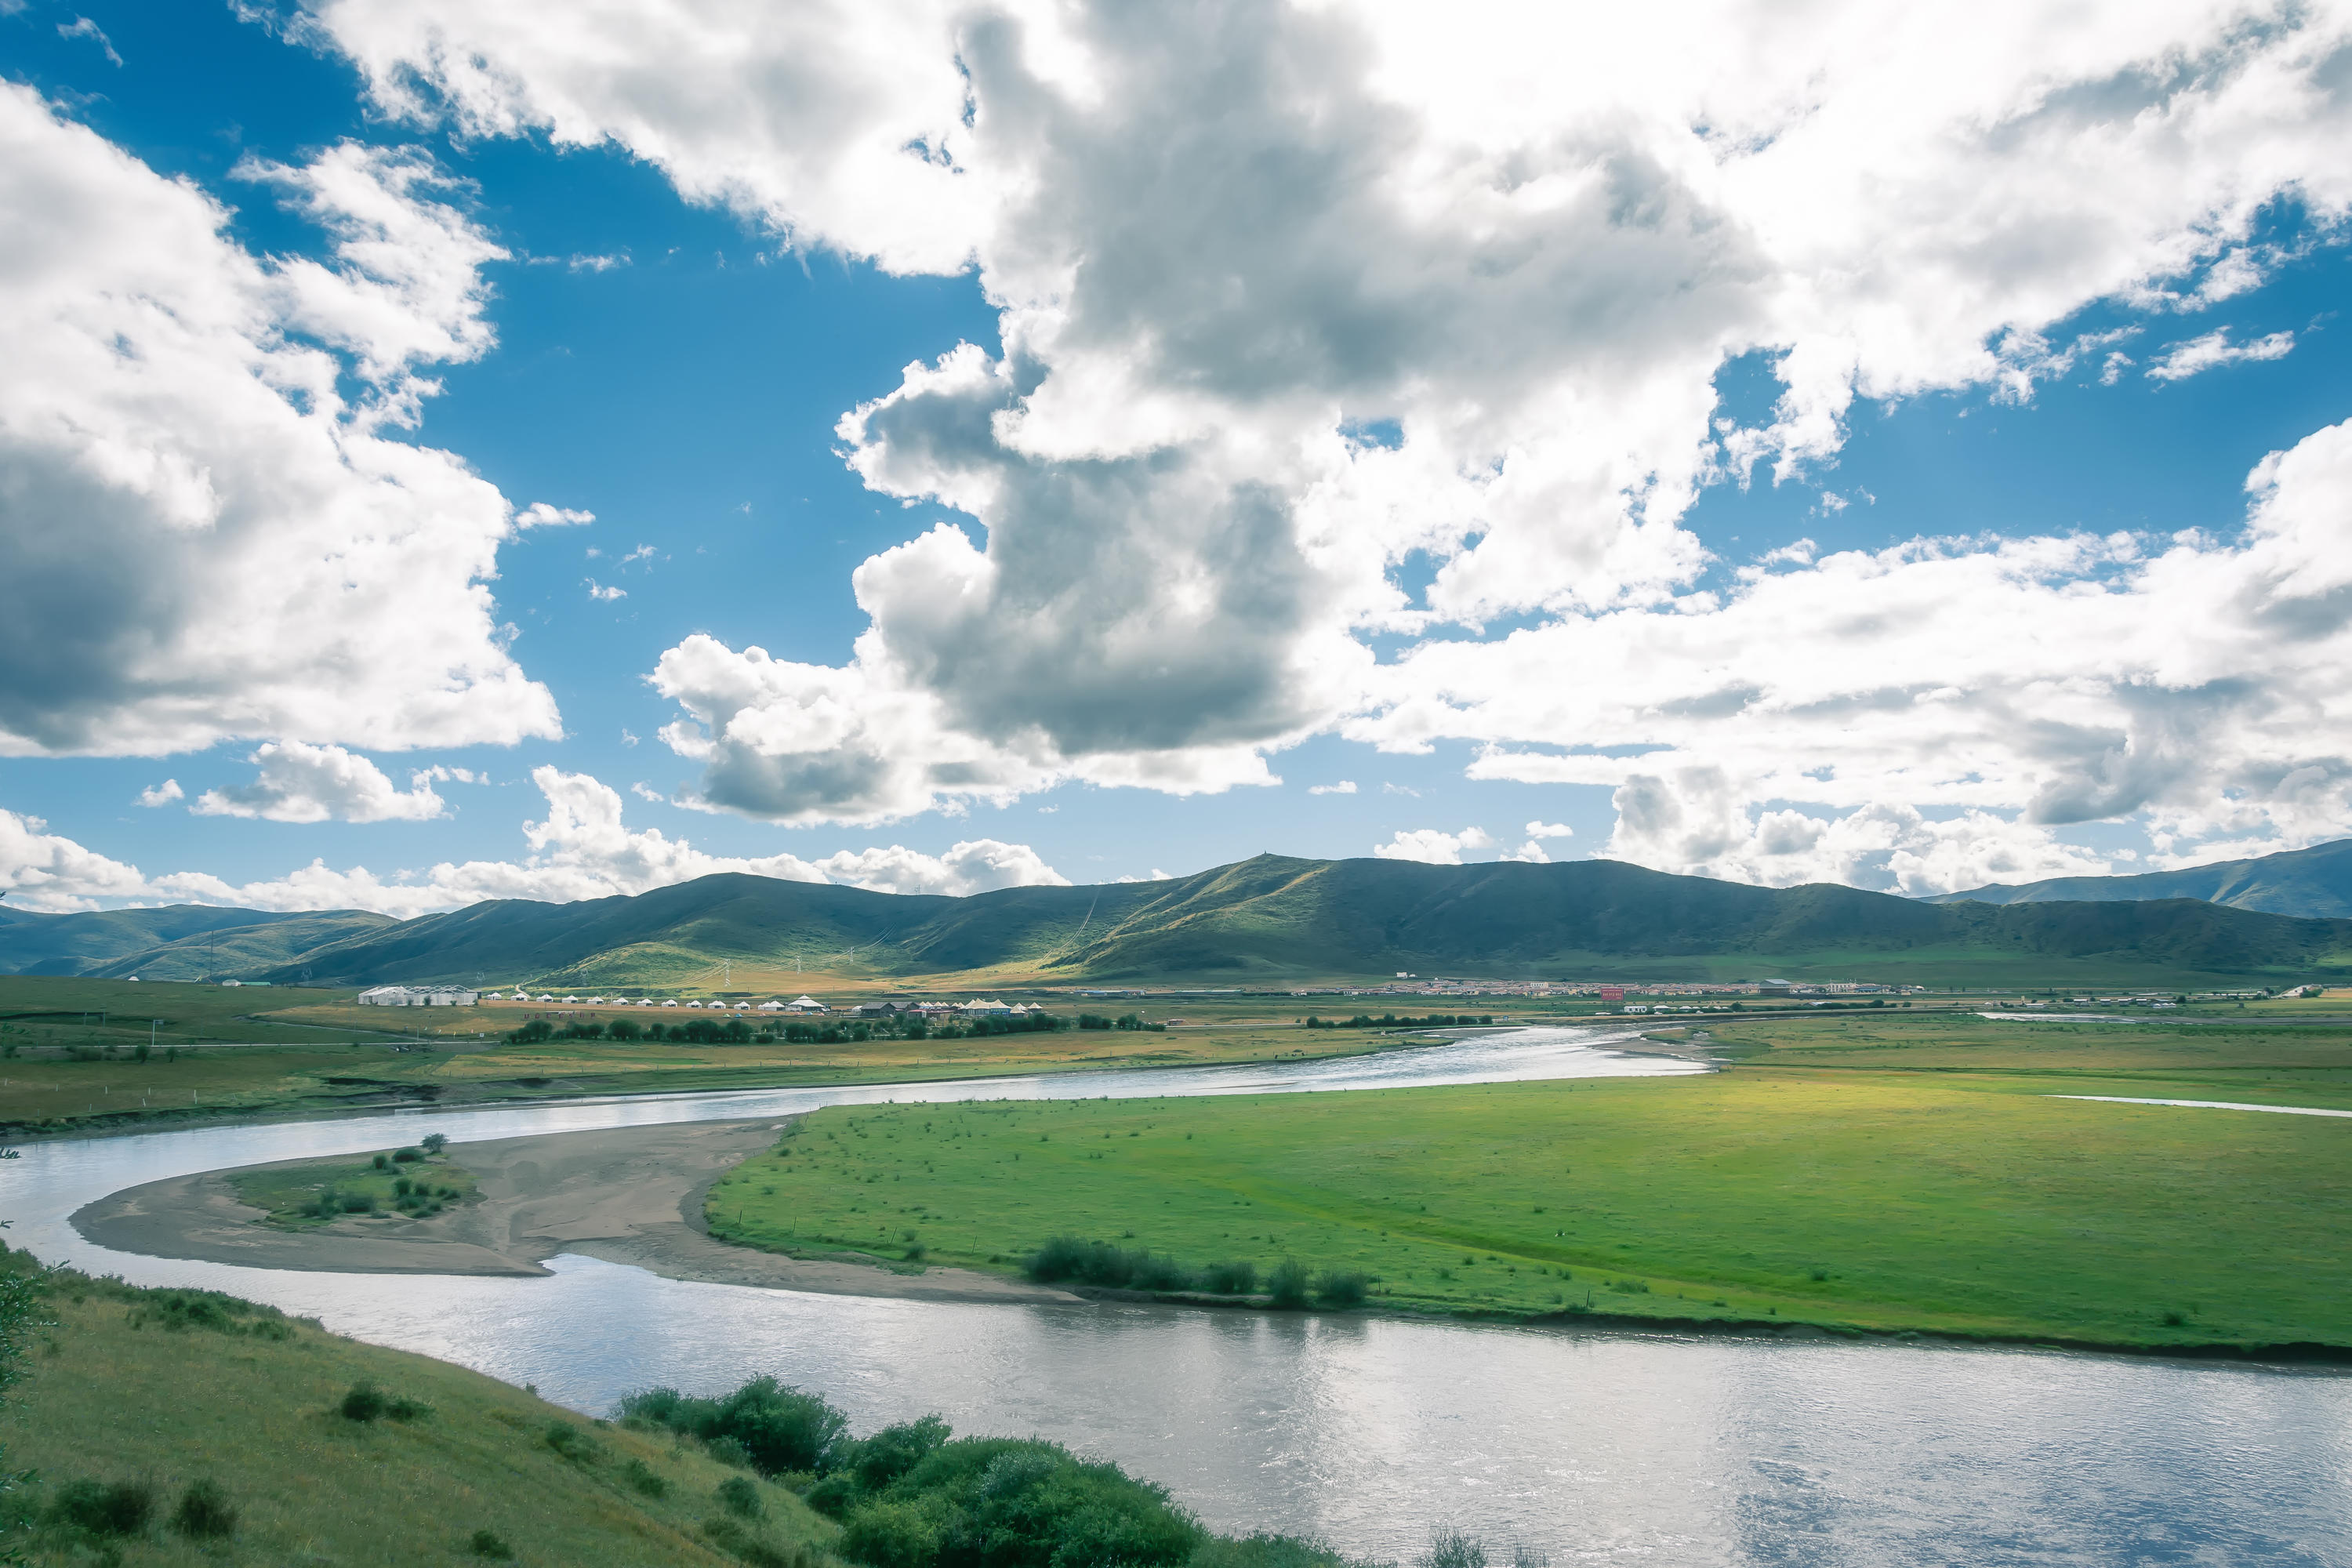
1336	1288
490	1544
777	1428
1074	1260
1230	1278
740	1495
572	1443
205	1512
1392	1021
181	1311
642	1480
104	1508
365	1402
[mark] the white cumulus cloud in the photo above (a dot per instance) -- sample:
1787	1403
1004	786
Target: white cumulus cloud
300	782
1434	846
163	793
204	532
2214	349
1345	786
976	865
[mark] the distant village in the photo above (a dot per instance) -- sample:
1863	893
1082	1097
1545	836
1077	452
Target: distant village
799	1006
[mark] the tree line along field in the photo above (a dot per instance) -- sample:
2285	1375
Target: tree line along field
1952	1194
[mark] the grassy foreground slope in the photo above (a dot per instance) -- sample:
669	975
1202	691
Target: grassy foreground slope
1934	1186
149	1393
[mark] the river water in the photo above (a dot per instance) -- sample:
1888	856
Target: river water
1585	1445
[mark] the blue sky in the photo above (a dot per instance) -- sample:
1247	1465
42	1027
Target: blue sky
679	368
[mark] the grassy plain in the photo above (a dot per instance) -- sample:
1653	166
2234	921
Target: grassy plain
165	1388
1874	1172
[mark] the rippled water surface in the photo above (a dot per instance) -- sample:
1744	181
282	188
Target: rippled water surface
1590	1445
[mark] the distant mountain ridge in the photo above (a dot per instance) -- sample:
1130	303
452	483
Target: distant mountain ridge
2314	883
1269	920
178	941
1272	918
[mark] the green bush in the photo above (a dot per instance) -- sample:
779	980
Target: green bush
740	1495
205	1512
489	1543
572	1443
104	1508
893	1535
433	1142
775	1427
643	1480
407	1156
1230	1278
1289	1285
877	1461
365	1402
1337	1288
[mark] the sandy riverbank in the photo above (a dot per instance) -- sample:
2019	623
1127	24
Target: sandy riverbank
627	1195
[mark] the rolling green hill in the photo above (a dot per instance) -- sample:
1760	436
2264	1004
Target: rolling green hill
1272	920
2314	883
180	942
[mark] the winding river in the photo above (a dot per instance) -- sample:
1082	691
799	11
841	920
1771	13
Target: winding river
1584	1445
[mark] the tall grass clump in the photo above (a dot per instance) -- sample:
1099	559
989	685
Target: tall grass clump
1230	1278
205	1512
1338	1288
1291	1283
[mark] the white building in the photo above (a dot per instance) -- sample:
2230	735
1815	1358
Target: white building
804	1004
418	996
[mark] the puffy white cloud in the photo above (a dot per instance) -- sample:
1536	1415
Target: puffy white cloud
1434	846
39	871
1540	829
2186	359
581	850
1695	821
975	866
203	533
1287	295
2199	681
299	783
1345	786
163	793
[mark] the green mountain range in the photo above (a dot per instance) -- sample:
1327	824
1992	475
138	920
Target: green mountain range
1274	920
180	942
1270	920
2316	883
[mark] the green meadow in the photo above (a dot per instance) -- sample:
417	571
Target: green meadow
1912	1174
